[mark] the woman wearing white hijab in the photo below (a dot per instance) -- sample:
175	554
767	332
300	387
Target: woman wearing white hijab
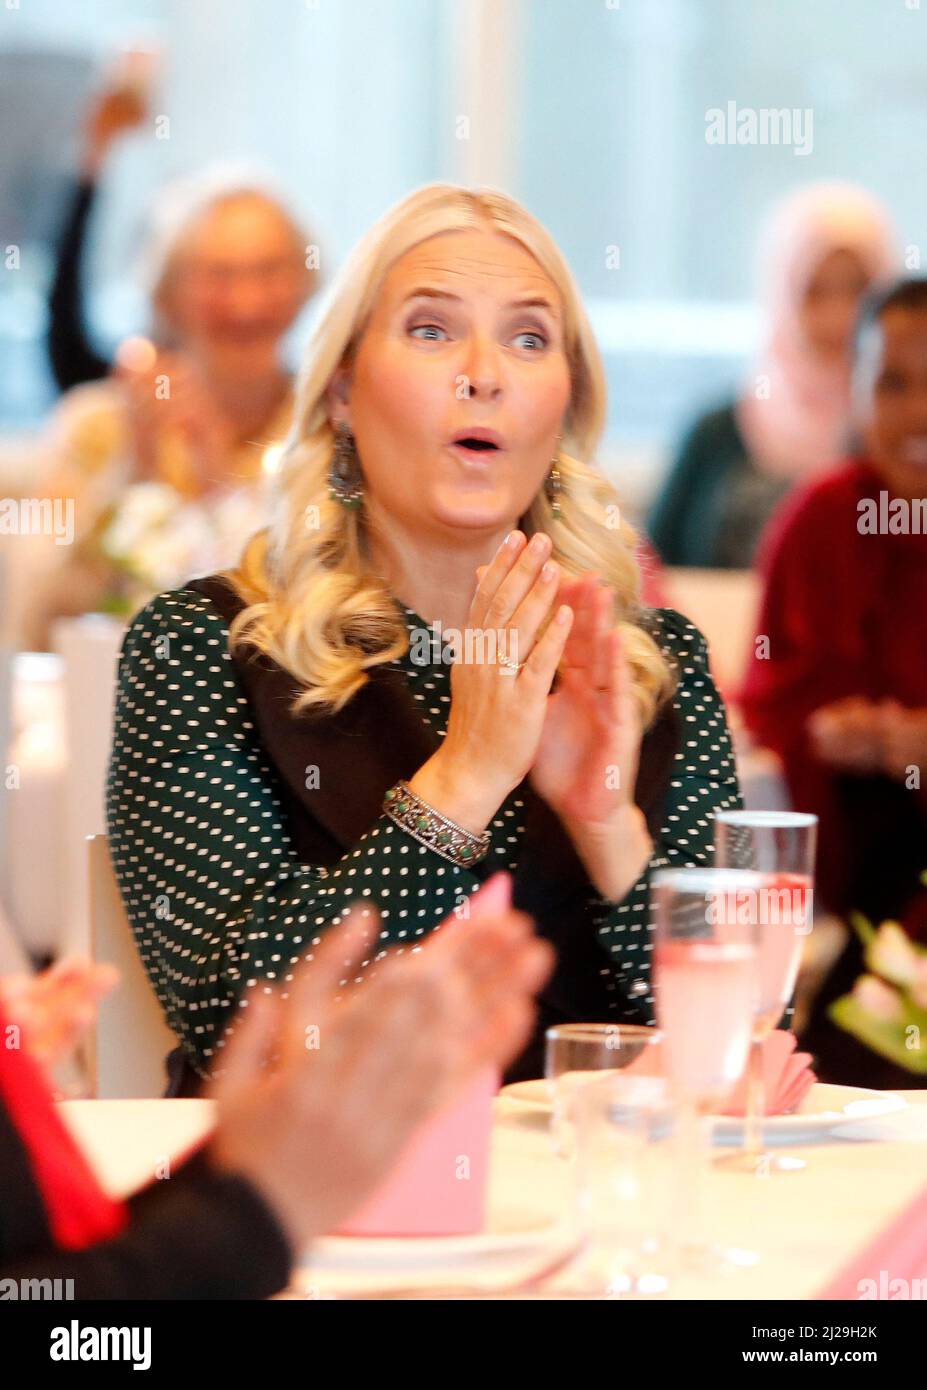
825	245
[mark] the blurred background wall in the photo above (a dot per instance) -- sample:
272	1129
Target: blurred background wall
593	112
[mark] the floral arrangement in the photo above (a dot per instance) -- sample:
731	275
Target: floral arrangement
153	538
887	1007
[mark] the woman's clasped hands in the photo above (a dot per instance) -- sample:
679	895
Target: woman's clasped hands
579	743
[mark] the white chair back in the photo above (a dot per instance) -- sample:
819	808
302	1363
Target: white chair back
35	823
89	648
13	958
5	745
724	604
132	1037
6	683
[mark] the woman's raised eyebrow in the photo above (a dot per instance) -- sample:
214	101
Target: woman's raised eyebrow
427	292
533	302
530	302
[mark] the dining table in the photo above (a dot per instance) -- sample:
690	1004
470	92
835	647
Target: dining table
801	1226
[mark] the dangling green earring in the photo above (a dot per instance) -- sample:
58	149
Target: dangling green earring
552	487
345	477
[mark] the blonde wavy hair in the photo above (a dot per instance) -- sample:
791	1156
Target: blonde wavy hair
313	603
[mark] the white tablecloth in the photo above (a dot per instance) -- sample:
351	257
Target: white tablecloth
35	812
804	1225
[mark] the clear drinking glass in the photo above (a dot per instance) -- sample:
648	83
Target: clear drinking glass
781	846
705	969
623	1166
577	1053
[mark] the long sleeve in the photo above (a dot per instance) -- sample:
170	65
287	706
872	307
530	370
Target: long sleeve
198	1234
833	626
703	781
810	653
71	354
218	899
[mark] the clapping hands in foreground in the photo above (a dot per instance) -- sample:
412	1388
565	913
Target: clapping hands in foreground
318	1095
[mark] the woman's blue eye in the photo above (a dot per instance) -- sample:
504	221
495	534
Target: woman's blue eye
539	340
431	329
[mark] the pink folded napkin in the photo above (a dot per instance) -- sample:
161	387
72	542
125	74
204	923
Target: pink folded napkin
438	1185
787	1077
892	1266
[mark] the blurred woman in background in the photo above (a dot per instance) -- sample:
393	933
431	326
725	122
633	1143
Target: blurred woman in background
838	682
824	247
196	413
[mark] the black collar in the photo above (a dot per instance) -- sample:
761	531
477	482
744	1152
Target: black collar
337	767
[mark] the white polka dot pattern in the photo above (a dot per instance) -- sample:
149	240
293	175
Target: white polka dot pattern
219	901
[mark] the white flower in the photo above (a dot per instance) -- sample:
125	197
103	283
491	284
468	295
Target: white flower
143	507
163	539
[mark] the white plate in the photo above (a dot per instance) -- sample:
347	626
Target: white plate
823	1110
344	1263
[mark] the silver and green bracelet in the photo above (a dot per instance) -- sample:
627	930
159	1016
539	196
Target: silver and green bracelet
433	829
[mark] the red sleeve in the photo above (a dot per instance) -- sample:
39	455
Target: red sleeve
804	653
803	656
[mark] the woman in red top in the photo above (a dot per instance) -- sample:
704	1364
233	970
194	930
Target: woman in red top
838	680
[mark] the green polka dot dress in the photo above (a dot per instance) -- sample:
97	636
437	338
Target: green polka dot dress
218	898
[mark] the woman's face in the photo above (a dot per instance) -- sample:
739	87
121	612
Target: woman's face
892	395
831	302
465	339
238	284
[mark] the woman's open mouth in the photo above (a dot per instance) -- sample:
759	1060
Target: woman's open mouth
476	444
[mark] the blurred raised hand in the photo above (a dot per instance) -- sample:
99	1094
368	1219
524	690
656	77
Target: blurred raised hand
121	105
319	1094
167	398
55	1007
904	743
848	734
